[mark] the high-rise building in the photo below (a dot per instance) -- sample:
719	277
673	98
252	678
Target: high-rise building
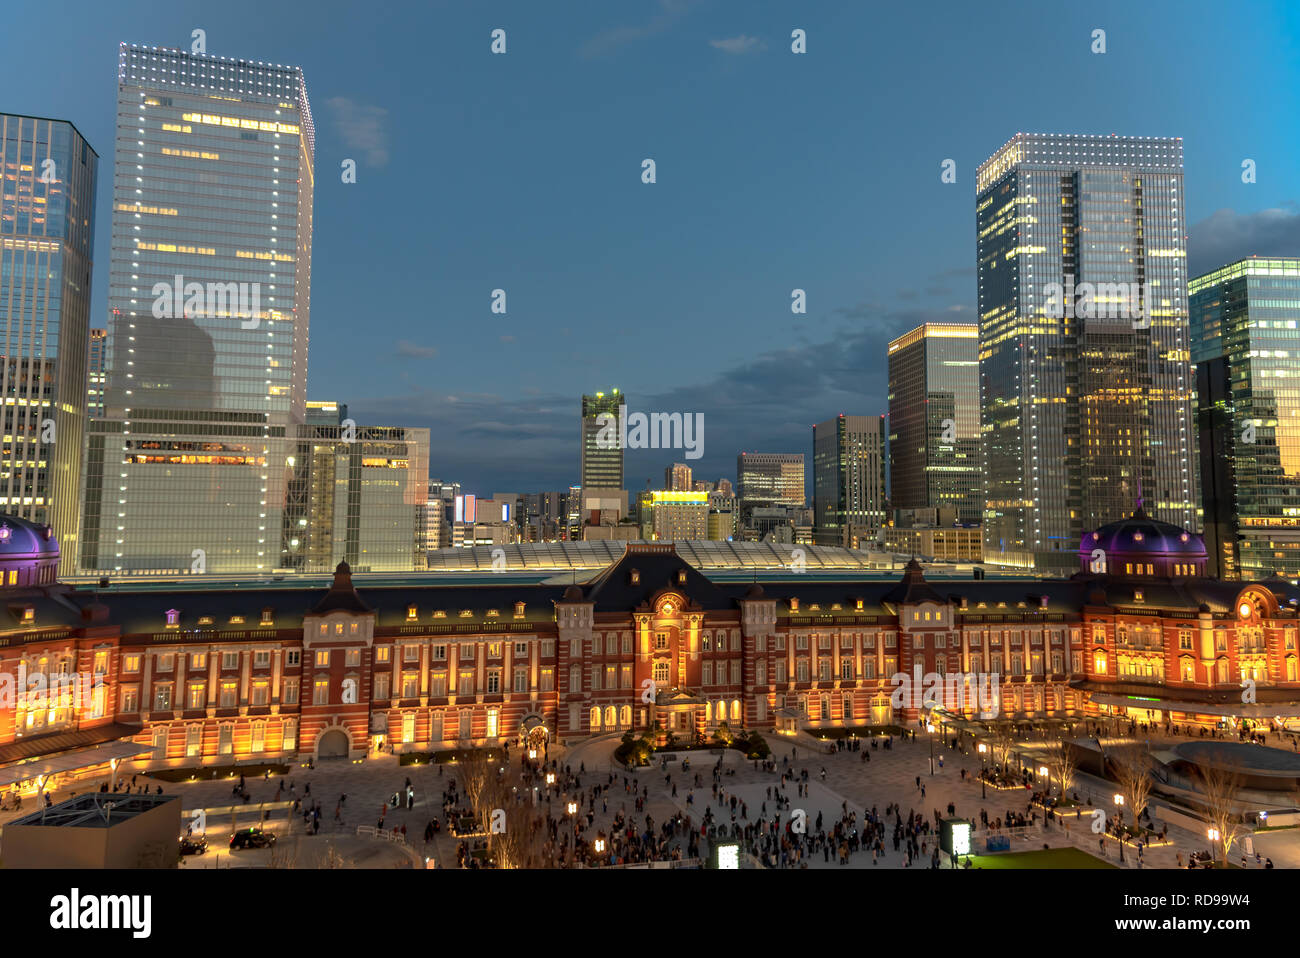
209	296
677	478
723	486
770	479
1085	379
848	477
96	378
675	516
1245	320
934	420
601	465
47	230
357	493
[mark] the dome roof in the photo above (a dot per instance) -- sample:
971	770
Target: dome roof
20	539
1140	534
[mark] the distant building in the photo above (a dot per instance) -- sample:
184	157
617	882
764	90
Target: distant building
358	493
848	476
934	420
675	516
724	486
768	480
937	543
677	478
1245	320
601	465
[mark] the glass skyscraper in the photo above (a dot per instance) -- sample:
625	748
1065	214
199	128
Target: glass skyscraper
601	465
848	477
1087	404
47	227
934	420
209	301
1245	321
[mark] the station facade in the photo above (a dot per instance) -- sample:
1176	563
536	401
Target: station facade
206	676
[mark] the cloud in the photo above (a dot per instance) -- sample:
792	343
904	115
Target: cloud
739	45
1226	236
529	443
608	41
362	127
415	351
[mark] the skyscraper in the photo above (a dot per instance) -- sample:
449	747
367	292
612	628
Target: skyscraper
1085	379
848	478
96	378
769	479
209	296
601	465
47	227
934	420
1245	321
677	478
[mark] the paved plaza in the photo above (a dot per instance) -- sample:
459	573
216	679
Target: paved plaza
837	783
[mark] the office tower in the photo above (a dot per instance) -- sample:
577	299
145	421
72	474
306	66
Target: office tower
934	420
675	516
601	465
848	478
1085	380
768	479
723	486
326	413
95	378
209	295
47	227
357	493
1245	320
677	478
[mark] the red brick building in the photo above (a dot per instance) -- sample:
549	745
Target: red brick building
206	675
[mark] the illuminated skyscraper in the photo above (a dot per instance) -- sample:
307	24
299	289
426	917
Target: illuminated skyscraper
96	377
1246	345
47	226
677	478
934	420
848	478
209	296
769	479
601	465
1086	395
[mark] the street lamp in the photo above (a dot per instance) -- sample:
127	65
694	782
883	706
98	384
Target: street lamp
1213	835
983	750
1119	805
571	808
929	728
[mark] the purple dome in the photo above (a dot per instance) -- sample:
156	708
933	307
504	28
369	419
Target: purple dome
1141	545
20	539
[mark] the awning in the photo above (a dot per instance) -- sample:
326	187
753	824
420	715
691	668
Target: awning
71	761
1256	710
50	743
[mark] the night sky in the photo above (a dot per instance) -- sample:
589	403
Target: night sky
774	171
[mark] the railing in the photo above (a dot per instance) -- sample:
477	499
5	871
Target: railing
370	831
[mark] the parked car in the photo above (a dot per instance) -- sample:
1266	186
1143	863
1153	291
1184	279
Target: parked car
251	838
193	846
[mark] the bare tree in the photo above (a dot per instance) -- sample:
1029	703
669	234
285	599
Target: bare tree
1062	764
1004	740
478	777
1221	787
1133	767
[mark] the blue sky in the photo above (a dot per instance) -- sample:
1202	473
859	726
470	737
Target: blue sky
774	171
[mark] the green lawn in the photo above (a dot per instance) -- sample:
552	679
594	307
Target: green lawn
1051	858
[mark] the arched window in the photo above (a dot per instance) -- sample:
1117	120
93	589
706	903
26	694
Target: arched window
625	716
610	717
595	719
735	710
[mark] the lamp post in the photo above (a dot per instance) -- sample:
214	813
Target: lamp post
1213	835
1119	805
929	728
983	750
